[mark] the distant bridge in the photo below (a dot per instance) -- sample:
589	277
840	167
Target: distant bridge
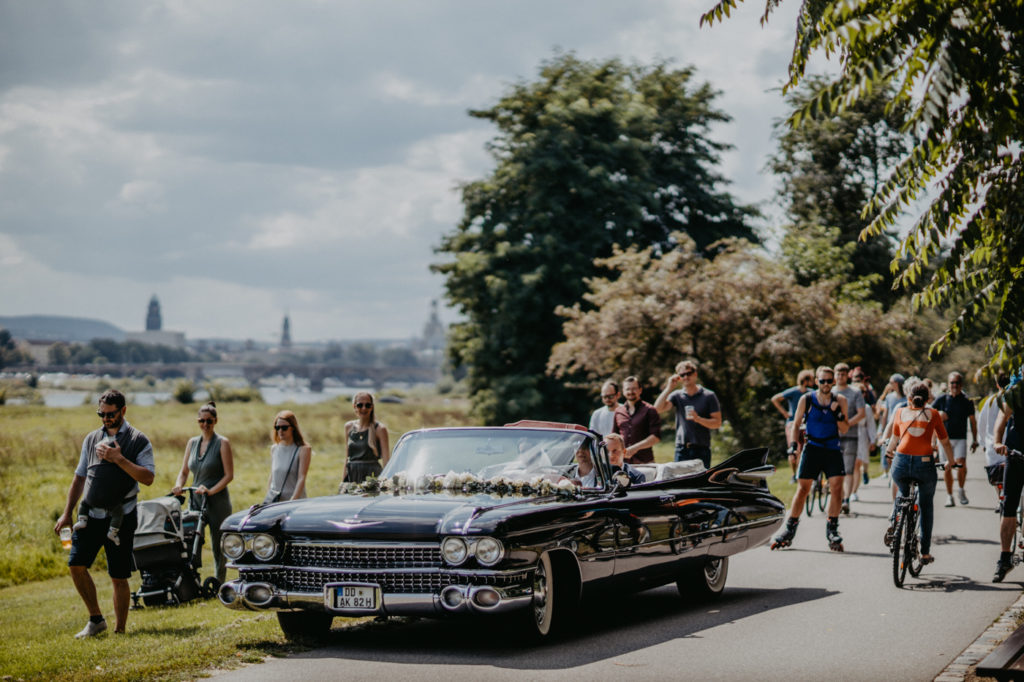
252	372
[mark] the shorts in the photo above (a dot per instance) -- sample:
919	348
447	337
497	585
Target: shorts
86	543
959	449
1013	483
848	446
816	459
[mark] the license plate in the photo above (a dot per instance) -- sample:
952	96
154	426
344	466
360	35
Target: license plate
361	597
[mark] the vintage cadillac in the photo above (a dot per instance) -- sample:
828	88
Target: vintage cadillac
523	519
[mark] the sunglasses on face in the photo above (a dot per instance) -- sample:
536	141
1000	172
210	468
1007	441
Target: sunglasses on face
686	373
954	383
282	427
108	415
826	381
608	396
205	421
363	406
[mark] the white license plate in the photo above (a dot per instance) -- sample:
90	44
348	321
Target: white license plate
354	597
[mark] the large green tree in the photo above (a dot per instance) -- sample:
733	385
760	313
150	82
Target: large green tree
829	169
589	155
957	66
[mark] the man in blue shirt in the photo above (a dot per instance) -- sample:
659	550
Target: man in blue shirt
116	443
786	402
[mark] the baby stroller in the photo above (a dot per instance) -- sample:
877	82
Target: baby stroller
168	551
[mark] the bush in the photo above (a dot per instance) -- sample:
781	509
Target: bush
184	392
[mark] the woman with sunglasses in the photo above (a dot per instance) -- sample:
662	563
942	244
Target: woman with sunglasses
367	441
208	456
289	460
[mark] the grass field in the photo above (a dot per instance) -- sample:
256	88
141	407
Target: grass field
39	449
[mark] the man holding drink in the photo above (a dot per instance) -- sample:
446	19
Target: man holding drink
110	454
697	413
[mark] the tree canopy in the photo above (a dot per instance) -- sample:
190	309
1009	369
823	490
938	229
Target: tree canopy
740	315
957	68
829	168
588	155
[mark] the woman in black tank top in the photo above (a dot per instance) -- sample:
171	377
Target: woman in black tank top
366	441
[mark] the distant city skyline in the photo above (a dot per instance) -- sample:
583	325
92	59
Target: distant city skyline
246	161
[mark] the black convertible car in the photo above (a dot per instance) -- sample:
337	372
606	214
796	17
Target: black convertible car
524	519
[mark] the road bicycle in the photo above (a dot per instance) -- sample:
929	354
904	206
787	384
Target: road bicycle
906	539
818	496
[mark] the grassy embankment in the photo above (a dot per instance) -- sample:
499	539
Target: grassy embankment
38	451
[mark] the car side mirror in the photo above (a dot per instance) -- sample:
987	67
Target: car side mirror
621	482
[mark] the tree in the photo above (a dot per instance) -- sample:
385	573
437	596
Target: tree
10	354
830	168
957	67
741	316
589	155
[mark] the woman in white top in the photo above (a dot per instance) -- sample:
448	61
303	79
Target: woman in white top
289	460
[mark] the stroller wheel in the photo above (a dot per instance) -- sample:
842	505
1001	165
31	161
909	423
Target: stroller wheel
210	587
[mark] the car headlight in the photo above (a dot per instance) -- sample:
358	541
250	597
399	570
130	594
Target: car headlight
233	545
454	550
264	546
488	551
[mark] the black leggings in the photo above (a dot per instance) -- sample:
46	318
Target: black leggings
1013	483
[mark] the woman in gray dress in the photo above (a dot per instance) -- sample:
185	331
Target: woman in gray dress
366	441
289	460
208	456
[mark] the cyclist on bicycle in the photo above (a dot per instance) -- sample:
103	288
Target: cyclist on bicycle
826	422
913	428
786	402
1006	437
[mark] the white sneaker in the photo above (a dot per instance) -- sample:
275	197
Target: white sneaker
855	498
949	501
92	629
963	498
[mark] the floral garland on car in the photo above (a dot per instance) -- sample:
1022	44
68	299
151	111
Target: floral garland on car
464	483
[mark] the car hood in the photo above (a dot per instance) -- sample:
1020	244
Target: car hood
386	515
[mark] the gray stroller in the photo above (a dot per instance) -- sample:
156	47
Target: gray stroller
168	551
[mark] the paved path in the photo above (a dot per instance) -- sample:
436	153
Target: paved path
800	614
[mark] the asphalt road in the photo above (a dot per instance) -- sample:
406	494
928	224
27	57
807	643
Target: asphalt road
804	613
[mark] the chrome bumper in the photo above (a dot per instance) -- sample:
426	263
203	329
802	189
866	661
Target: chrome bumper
453	599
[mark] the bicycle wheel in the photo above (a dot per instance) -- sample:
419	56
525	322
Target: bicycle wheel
913	545
900	564
825	492
809	504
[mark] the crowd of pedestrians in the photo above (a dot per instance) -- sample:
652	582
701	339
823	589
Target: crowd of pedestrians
834	430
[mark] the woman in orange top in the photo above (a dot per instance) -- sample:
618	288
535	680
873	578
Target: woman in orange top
913	428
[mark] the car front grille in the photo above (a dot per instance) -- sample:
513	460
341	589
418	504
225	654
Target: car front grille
400	582
363	555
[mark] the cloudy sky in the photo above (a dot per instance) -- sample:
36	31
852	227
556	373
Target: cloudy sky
241	159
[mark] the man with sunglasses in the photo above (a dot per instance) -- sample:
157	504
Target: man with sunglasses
697	413
603	419
116	442
957	411
825	415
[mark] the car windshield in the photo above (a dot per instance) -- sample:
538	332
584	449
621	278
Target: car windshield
487	453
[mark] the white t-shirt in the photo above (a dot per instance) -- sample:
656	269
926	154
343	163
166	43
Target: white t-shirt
986	425
603	420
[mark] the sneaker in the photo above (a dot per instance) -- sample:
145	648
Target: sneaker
865	477
855	498
92	629
1001	570
963	498
846	506
949	501
888	536
793	479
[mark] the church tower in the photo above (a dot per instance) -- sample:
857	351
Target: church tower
153	321
286	334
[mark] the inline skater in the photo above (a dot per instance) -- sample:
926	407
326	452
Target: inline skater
825	416
1006	436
